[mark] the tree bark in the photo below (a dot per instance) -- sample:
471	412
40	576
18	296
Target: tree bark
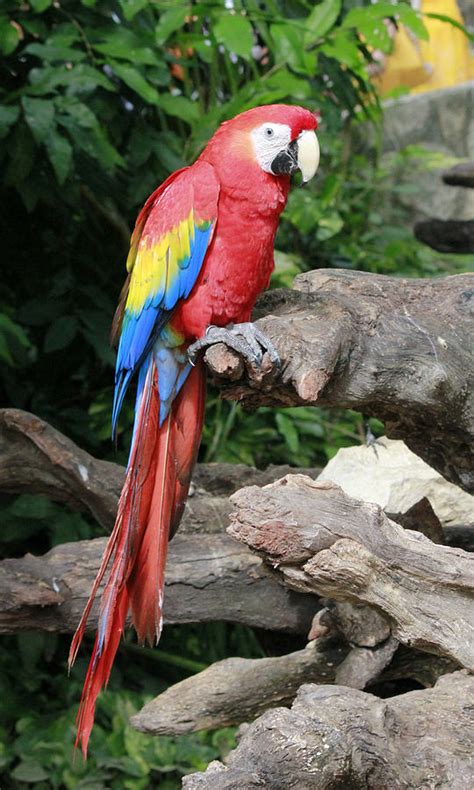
320	540
208	578
238	689
35	458
336	737
397	349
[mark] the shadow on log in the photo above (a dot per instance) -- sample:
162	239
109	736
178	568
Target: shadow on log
397	349
336	737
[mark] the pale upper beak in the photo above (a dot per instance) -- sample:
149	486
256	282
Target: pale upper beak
308	154
301	154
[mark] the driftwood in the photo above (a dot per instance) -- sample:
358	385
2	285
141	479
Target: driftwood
209	578
336	737
318	539
238	689
450	235
397	349
35	458
461	175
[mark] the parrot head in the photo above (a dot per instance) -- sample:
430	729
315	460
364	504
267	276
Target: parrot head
277	139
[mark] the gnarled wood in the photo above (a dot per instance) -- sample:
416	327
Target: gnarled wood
336	737
35	458
238	689
398	349
208	578
319	539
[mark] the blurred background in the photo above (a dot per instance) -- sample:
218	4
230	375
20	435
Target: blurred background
99	102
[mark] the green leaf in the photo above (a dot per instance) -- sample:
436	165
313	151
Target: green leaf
288	45
52	53
124	44
22	152
329	225
30	771
289	84
321	19
136	81
179	107
9	36
8	116
131	7
235	32
39	115
40	5
412	19
60	334
287	429
60	155
454	23
79	79
342	46
10	330
170	20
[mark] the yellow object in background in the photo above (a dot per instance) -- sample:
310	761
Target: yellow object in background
442	61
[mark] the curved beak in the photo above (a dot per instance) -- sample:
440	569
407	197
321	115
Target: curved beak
308	154
301	154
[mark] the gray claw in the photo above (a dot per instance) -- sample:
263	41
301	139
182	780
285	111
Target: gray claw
244	338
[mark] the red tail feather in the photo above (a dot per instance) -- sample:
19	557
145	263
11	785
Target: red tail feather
150	507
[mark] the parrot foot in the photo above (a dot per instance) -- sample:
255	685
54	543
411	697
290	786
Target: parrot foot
244	338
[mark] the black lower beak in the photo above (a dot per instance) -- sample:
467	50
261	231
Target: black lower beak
286	162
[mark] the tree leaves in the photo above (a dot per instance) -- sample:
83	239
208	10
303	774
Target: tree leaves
39	115
235	33
60	334
321	20
60	154
9	35
136	81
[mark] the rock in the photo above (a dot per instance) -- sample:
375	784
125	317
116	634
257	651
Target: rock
390	475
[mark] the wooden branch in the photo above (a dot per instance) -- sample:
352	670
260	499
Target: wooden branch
321	540
208	578
446	235
35	458
238	689
397	349
334	736
461	175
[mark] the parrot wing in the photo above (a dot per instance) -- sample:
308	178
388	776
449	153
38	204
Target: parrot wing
171	237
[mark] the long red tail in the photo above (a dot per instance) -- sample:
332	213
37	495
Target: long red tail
152	501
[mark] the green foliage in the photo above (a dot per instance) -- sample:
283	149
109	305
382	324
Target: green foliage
99	102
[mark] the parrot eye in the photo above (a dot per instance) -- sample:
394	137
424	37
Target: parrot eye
269	132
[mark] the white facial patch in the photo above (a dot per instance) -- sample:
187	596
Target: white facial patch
268	140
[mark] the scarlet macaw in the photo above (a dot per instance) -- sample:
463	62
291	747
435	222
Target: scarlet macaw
201	252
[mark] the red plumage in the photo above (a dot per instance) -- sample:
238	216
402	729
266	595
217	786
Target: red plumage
232	206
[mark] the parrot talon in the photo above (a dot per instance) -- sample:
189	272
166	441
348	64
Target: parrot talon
244	338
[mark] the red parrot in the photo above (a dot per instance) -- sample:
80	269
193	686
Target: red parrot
201	252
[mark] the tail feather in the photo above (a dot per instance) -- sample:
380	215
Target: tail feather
151	504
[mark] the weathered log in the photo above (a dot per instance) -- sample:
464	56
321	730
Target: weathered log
397	349
238	689
461	175
35	458
321	540
208	578
450	235
336	737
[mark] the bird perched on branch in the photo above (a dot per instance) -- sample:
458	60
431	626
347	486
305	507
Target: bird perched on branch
201	252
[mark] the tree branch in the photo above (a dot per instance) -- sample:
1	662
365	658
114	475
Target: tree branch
321	540
397	349
334	736
208	578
